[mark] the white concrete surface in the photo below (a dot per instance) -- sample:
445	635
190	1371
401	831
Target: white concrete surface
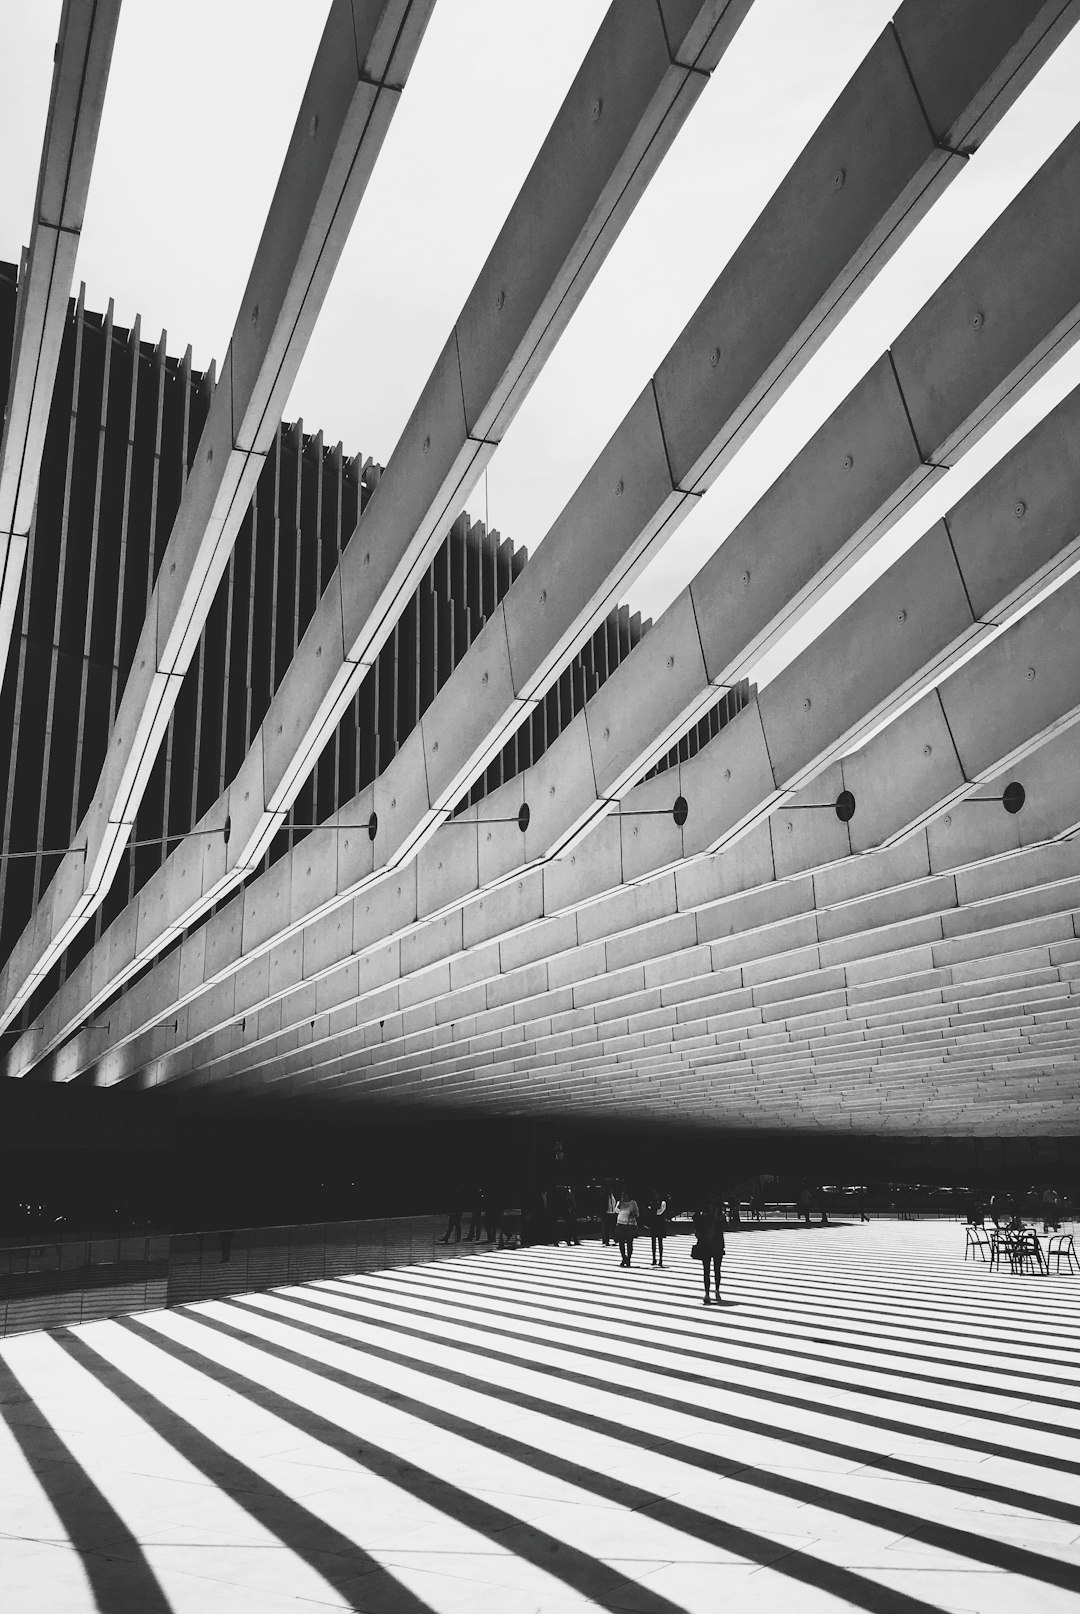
866	1422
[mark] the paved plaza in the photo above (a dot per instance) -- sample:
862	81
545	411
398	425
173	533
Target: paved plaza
865	1422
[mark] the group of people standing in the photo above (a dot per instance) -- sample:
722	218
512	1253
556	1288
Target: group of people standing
623	1219
1010	1208
485	1223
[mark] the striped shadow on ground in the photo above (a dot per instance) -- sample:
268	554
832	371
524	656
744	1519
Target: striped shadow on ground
865	1422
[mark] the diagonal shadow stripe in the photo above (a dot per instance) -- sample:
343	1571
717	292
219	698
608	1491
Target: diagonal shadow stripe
902	1281
750	1392
963	1301
825	1324
999	1555
905	1299
331	1554
775	1300
903	1468
857	1589
772	1370
901	1276
568	1303
591	1577
120	1582
822	1288
566	1320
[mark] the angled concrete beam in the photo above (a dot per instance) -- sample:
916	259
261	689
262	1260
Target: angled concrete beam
81	71
385	929
684	426
730	785
746	906
929	608
1000	575
530	945
638	83
932	84
360	67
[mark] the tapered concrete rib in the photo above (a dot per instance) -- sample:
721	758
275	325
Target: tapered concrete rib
637	84
978	720
362	61
715	912
933	606
892	165
81	71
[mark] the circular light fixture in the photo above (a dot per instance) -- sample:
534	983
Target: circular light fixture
1013	797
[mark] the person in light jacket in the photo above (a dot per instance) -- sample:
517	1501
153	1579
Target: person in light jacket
626	1225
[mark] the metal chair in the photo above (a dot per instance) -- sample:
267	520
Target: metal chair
1001	1243
1059	1245
1026	1253
1019	1247
977	1243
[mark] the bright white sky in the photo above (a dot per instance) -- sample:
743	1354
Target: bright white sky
199	110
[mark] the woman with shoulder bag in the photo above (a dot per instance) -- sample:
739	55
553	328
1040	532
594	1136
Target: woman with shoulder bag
709	1245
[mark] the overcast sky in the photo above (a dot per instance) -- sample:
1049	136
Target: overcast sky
199	110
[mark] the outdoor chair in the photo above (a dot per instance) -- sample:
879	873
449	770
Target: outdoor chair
977	1243
1061	1245
1026	1253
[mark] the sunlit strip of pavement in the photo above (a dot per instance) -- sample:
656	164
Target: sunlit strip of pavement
544	1430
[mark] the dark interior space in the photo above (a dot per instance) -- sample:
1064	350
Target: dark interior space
78	1160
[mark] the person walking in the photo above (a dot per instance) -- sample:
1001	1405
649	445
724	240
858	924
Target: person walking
709	1244
453	1229
626	1224
566	1225
656	1216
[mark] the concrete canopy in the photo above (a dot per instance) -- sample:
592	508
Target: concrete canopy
646	80
719	942
902	167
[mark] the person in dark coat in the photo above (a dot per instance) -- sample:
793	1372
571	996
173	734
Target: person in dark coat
565	1207
709	1244
656	1219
